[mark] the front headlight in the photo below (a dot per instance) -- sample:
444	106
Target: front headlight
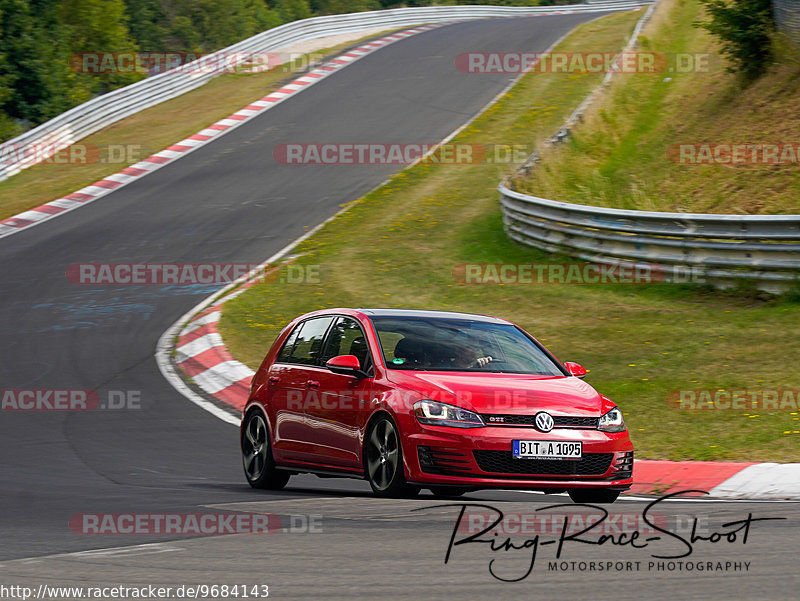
434	413
612	421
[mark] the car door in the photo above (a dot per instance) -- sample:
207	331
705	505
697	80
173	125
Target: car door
292	382
335	417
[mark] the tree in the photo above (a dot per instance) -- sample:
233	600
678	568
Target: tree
206	25
147	23
98	27
293	10
37	58
8	129
335	7
745	28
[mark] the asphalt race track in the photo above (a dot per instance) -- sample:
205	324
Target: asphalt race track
230	201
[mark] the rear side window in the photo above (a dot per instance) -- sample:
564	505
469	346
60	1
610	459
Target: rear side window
304	344
286	351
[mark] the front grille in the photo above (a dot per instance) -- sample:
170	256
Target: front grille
559	421
502	462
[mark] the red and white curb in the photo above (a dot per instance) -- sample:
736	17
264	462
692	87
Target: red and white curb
203	357
769	481
108	184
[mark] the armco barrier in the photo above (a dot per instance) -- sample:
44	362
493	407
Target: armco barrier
715	248
102	111
696	247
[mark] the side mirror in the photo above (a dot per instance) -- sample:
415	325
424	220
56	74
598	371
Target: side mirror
346	365
575	369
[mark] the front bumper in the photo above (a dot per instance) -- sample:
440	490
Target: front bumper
481	458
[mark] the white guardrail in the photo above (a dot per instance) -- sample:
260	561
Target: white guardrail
92	116
697	247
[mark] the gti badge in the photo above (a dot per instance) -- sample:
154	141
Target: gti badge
544	421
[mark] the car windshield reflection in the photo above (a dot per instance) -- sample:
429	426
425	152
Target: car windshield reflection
430	344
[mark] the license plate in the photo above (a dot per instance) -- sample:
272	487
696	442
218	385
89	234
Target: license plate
547	449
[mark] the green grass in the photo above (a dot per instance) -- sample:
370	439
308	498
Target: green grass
398	247
147	132
619	156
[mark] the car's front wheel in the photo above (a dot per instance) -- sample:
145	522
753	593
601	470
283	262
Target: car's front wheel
593	495
383	461
259	466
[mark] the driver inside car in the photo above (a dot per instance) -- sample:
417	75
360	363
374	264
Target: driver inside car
466	357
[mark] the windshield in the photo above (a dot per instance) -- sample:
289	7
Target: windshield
431	344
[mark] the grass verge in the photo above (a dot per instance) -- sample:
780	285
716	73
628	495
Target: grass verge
398	247
147	132
630	158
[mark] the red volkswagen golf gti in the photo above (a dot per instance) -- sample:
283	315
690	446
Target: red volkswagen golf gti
451	402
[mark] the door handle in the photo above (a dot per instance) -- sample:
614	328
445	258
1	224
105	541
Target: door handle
273	379
312	384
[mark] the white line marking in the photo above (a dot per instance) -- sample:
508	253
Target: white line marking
143	549
146	549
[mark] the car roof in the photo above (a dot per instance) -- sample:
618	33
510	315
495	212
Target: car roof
374	312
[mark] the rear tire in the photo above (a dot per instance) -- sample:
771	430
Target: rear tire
593	495
259	466
383	461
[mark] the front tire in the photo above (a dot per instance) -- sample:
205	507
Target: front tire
383	461
259	466
593	495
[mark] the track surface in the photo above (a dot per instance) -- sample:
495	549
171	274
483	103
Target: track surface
229	201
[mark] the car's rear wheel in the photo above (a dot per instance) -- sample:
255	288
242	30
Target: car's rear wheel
593	495
259	466
383	461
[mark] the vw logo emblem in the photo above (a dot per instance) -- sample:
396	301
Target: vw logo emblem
544	421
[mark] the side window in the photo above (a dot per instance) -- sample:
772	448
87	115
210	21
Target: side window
347	338
307	346
288	345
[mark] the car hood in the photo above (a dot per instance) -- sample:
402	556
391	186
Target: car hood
513	394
